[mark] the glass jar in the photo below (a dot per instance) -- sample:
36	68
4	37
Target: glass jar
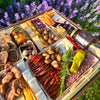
19	35
83	37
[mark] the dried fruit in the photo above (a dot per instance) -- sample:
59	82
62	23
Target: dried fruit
45	37
50	41
52	36
45	45
56	38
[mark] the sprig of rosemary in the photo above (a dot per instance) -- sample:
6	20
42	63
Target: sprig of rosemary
67	59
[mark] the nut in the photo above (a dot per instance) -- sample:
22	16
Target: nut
45	37
56	55
45	45
44	54
50	51
61	54
47	61
50	41
57	50
56	38
52	57
25	52
52	36
51	48
55	65
47	56
58	58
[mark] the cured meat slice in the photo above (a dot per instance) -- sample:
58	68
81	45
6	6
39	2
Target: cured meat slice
17	87
7	78
11	45
4	46
48	80
6	37
3	58
50	83
17	73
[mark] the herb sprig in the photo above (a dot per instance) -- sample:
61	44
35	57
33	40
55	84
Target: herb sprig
67	59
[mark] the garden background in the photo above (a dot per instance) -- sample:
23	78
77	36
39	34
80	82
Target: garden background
86	13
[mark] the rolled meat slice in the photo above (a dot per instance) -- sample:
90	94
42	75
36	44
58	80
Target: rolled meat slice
7	78
17	73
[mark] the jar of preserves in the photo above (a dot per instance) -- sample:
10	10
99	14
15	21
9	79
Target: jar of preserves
19	35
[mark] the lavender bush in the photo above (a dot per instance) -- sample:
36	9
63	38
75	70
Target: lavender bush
85	13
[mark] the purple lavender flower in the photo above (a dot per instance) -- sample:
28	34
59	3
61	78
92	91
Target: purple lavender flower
17	17
93	19
33	7
95	34
87	15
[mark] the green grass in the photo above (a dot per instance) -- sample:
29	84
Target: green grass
93	92
6	3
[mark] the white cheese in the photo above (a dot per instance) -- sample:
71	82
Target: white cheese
29	30
32	34
37	41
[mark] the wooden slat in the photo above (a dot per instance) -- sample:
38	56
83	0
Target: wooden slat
85	87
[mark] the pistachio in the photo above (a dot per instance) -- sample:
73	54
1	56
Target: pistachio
44	54
52	36
47	56
47	61
58	57
52	57
45	37
56	38
50	41
57	50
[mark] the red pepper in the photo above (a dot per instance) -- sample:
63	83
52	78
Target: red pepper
14	33
57	78
76	46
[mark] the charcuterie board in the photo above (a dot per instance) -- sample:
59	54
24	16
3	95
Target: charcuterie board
48	56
